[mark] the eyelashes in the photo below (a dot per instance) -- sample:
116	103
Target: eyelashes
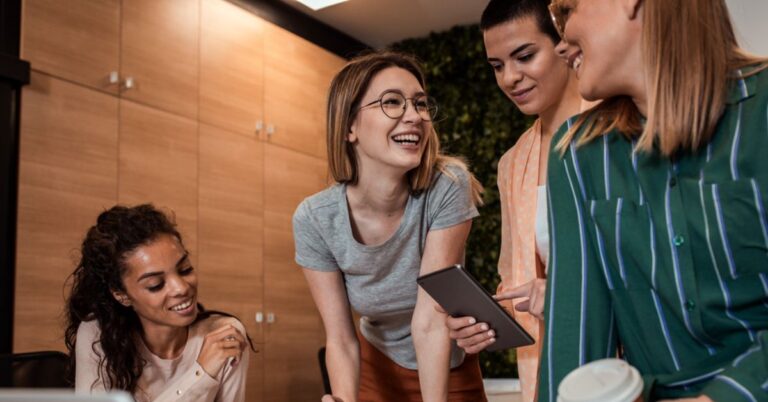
182	272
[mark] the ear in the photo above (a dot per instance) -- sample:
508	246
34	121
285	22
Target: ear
351	136
632	8
121	298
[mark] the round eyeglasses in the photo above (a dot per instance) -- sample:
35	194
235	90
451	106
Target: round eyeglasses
394	104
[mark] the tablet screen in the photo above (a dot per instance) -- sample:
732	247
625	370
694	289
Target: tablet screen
460	295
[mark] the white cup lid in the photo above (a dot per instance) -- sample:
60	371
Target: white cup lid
607	380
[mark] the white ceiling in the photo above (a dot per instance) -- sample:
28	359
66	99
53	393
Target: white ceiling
379	23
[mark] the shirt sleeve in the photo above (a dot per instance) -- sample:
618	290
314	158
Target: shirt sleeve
312	251
746	378
450	201
87	379
579	325
195	385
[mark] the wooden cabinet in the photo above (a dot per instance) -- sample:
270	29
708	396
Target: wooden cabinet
183	137
55	34
67	175
231	92
159	54
295	336
146	50
297	74
158	164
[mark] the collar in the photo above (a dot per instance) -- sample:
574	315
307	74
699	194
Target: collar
742	88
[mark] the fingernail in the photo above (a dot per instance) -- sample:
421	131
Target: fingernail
484	327
490	333
492	340
472	321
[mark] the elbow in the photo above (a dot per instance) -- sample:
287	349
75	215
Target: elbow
427	328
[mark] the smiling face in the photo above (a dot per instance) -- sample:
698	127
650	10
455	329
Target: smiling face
525	64
381	142
603	46
160	284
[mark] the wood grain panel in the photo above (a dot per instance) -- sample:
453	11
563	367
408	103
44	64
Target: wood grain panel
297	333
297	77
77	40
158	164
68	175
160	51
292	370
231	67
231	210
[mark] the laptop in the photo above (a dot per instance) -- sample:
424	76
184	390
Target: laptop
59	395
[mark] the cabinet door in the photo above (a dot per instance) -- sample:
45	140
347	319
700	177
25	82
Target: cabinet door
68	175
297	77
159	52
231	67
78	40
293	339
158	164
231	214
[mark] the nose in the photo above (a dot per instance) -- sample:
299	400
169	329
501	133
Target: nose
178	286
510	76
411	115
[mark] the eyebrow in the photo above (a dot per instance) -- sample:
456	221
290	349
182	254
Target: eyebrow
151	274
419	93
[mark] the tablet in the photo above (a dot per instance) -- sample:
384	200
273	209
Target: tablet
460	295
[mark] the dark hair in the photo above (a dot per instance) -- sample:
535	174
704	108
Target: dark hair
117	232
498	12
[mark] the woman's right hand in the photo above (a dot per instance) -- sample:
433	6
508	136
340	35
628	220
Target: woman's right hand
470	335
219	346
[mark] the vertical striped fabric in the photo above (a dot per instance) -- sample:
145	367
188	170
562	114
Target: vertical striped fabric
664	259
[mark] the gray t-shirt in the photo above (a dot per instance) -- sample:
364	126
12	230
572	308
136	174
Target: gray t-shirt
381	279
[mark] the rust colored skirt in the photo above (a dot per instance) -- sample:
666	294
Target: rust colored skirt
382	380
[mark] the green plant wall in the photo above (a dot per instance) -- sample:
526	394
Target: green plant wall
479	123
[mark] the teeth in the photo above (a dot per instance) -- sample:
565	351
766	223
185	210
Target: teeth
181	306
406	138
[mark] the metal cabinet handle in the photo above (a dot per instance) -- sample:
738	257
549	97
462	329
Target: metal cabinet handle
270	129
270	318
114	77
129	83
259	317
259	126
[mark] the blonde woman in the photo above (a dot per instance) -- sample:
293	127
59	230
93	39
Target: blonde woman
658	218
520	42
399	209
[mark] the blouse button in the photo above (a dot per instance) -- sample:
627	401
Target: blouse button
178	392
678	240
690	305
197	373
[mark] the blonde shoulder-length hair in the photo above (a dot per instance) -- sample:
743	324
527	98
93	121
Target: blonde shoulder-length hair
691	57
345	95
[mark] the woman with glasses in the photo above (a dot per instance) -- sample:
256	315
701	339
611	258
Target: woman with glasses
520	44
658	222
399	209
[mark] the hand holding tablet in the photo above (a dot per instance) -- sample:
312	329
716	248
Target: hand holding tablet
460	295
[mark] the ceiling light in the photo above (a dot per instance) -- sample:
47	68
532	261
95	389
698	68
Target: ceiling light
318	4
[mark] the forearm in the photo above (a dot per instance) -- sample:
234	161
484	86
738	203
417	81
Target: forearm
433	354
343	363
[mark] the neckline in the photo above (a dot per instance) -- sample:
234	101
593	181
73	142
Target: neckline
162	359
344	203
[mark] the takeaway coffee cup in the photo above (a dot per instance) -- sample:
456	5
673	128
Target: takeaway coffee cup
607	380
